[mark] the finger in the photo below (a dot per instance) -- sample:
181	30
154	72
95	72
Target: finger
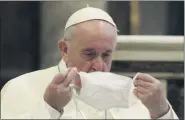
142	90
138	95
76	81
135	93
63	89
58	78
66	82
71	77
66	74
68	79
145	77
85	68
143	83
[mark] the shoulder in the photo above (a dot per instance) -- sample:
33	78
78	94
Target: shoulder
31	78
35	74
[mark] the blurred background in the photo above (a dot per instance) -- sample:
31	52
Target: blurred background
30	31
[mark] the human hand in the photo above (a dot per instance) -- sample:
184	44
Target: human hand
149	91
58	92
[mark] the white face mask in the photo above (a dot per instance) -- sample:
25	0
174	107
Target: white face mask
105	90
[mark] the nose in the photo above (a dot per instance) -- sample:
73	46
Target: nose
98	64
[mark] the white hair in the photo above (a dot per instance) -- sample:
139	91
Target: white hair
68	33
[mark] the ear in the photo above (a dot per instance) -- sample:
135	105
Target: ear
62	44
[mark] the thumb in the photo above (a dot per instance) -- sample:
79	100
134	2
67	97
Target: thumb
58	78
75	77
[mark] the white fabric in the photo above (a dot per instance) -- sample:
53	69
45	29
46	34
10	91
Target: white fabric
86	14
105	90
53	113
22	97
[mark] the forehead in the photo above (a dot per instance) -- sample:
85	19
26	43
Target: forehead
96	34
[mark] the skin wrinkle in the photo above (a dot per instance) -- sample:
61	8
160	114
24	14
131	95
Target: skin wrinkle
98	35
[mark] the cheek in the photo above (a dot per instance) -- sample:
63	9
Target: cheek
107	65
75	60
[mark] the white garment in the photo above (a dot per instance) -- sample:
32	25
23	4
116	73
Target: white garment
22	97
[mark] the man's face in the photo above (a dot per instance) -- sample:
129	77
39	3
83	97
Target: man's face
91	46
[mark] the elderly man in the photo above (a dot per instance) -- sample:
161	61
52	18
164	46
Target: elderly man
89	40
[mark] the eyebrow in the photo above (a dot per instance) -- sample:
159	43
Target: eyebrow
88	49
93	50
109	51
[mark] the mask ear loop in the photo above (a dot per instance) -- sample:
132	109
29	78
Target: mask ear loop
73	87
134	78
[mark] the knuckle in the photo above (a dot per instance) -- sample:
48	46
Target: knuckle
139	88
140	82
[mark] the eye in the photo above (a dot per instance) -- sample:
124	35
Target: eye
106	55
90	55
